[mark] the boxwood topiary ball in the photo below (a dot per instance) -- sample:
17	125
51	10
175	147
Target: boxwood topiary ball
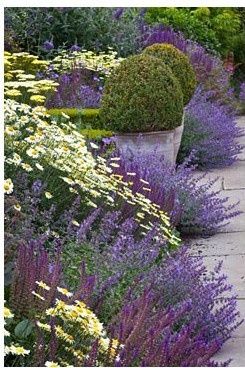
141	95
179	64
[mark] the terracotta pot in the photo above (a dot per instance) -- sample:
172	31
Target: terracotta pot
164	144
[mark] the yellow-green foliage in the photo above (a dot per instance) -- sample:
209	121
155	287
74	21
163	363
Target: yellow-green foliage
39	146
179	64
23	62
20	74
96	134
83	118
101	62
141	95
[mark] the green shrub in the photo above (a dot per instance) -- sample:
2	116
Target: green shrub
141	95
214	28
179	64
82	118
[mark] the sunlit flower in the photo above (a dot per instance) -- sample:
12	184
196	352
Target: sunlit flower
8	313
43	285
6	333
93	145
10	130
32	152
26	167
43	326
51	365
48	195
38	98
39	167
8	186
16	350
64	292
75	223
17	207
38	295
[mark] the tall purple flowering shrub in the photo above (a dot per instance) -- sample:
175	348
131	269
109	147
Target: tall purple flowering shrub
211	131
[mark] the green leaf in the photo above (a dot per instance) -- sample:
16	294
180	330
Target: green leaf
23	329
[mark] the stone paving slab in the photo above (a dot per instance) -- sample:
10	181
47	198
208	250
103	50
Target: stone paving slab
241	121
218	185
235	349
229	246
237	223
240	331
220	244
241	156
233	176
233	267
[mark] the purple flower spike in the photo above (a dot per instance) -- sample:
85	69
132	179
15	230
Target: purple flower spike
48	45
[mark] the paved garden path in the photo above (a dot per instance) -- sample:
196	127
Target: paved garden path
229	245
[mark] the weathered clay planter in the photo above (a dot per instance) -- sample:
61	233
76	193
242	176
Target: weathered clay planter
164	144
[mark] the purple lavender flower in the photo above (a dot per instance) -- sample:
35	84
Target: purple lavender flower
211	131
76	89
75	48
118	13
202	61
192	205
48	45
242	92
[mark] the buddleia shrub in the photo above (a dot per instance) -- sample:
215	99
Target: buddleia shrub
141	95
179	64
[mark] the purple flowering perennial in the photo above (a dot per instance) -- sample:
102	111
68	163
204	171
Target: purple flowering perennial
211	131
189	200
48	45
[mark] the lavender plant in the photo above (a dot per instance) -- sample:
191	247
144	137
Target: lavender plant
203	62
80	88
192	205
149	338
121	259
211	131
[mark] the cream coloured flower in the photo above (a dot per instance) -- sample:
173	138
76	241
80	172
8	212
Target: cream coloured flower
8	186
39	167
48	195
51	365
17	207
32	152
64	292
26	167
8	313
43	285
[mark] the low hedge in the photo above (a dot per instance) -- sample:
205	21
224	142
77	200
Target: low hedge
86	120
83	118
